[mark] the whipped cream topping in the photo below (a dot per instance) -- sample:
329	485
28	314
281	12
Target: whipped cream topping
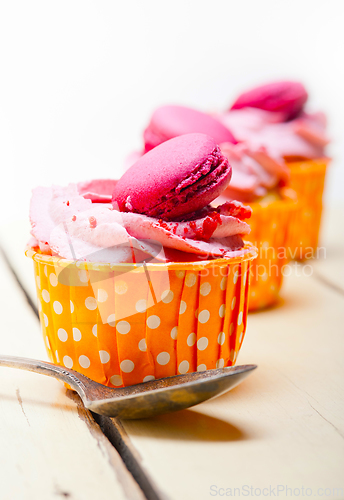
254	173
78	222
303	137
266	141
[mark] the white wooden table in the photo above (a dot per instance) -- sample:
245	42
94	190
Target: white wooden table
280	433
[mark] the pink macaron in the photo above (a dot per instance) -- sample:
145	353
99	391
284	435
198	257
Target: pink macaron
283	97
176	178
168	122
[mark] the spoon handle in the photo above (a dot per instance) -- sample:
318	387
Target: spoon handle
77	381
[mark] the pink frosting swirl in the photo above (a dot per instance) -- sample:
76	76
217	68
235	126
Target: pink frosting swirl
266	142
79	222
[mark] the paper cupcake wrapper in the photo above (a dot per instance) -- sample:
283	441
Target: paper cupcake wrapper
270	231
307	178
123	324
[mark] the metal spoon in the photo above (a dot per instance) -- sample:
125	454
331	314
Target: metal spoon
142	400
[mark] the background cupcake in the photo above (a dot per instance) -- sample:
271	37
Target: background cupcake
257	180
273	118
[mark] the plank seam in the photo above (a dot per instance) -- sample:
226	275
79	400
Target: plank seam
319	277
114	432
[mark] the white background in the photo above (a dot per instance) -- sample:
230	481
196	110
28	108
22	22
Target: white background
79	79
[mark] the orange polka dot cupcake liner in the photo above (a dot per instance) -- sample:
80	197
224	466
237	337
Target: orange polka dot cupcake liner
123	324
270	232
307	178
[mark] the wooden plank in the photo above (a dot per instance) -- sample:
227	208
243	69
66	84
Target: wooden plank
50	446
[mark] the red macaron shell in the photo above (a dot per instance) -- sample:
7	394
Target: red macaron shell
168	122
285	97
178	177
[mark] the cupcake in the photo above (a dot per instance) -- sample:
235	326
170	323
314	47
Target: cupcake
257	179
259	182
141	278
272	118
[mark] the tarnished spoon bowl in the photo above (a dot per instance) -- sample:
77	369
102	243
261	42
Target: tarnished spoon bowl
142	400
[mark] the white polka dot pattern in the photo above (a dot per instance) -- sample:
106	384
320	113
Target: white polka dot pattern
153	322
220	363
62	335
53	279
111	320
102	295
104	357
183	367
190	280
201	368
76	334
121	287
84	361
91	303
202	343
182	307
163	358
221	338
127	366
204	316
167	296
83	276
141	306
116	380
143	345
57	306
222	310
205	289
191	339
123	327
67	361
174	332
